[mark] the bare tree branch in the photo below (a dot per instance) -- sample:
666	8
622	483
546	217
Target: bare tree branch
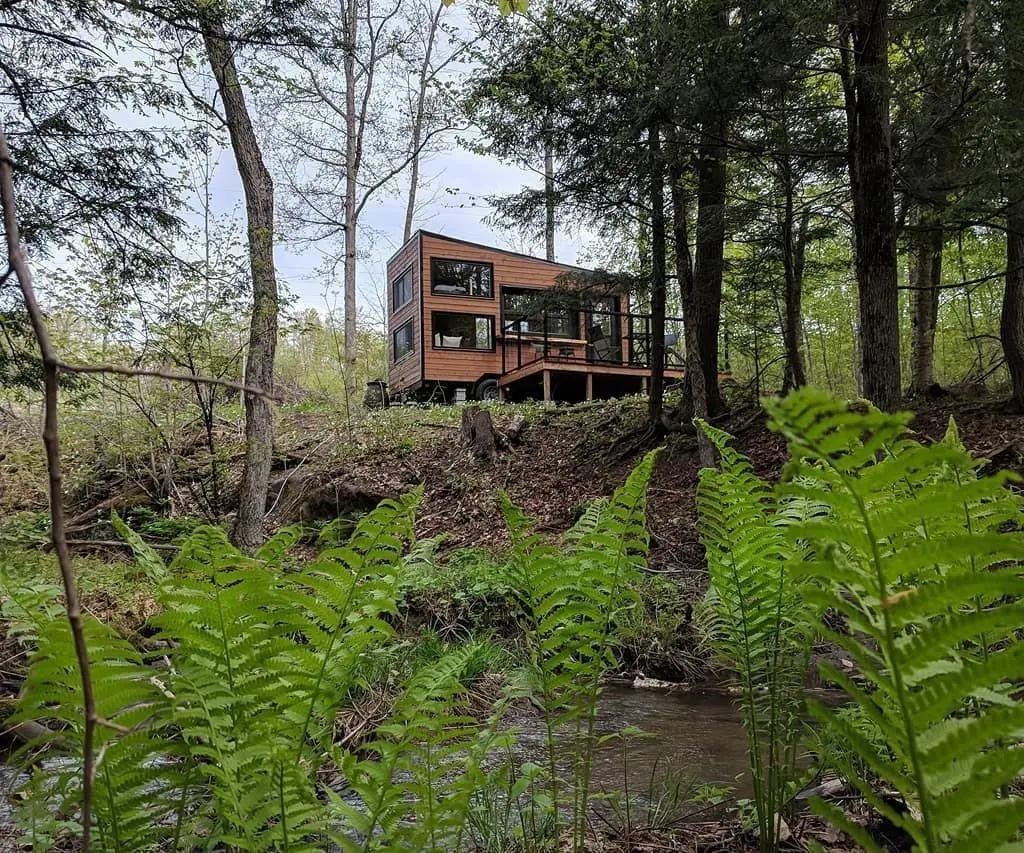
119	370
51	443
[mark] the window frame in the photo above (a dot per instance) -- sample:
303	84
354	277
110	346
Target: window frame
395	306
433	331
433	278
395	359
520	289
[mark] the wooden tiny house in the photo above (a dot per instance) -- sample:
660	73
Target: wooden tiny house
467	321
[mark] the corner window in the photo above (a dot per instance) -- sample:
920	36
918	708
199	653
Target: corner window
461	278
401	290
534	312
462	331
401	341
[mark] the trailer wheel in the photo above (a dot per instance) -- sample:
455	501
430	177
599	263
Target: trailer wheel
487	390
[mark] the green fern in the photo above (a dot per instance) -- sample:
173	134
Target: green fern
427	758
146	558
137	772
911	555
571	599
757	617
223	746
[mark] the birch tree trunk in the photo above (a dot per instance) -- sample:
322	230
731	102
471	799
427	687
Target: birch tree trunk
419	114
352	141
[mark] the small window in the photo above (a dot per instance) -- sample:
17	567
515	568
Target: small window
461	278
401	290
402	342
532	312
462	331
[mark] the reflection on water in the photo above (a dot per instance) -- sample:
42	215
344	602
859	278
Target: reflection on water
695	736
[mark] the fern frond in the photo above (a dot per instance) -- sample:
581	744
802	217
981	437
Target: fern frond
137	773
756	615
912	555
146	558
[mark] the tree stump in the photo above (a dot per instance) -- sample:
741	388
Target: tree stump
477	433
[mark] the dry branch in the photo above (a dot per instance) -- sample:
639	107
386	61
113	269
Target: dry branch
51	443
118	370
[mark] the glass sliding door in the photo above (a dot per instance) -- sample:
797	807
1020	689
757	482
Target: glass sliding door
604	330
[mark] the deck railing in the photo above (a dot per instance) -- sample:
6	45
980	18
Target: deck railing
606	337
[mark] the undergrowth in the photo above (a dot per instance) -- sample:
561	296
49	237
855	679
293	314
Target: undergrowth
227	728
224	732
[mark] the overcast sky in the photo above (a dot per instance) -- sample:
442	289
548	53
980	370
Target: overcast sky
452	201
454	205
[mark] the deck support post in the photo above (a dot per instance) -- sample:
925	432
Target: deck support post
590	386
547	388
643	384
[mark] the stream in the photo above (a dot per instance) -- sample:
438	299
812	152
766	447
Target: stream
693	736
696	737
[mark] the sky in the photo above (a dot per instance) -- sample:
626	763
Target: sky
452	201
454	205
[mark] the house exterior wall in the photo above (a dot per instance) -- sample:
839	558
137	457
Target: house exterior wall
433	363
409	371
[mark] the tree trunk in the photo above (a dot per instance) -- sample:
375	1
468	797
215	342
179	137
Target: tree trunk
1011	323
866	92
658	250
695	399
549	160
549	201
416	139
351	187
710	252
794	246
477	433
924	303
259	208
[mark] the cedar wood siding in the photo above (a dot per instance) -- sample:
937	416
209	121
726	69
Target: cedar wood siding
509	269
407	373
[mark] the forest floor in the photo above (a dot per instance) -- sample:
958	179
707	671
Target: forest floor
328	466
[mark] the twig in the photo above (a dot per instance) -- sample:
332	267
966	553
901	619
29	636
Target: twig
113	543
118	370
51	443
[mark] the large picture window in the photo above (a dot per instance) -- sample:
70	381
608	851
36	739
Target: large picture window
402	342
530	311
462	331
461	278
401	290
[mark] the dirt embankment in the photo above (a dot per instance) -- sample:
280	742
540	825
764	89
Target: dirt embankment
564	458
559	460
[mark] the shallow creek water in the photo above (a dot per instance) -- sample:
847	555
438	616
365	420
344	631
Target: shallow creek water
694	736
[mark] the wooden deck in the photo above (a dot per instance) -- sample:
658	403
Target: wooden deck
550	368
